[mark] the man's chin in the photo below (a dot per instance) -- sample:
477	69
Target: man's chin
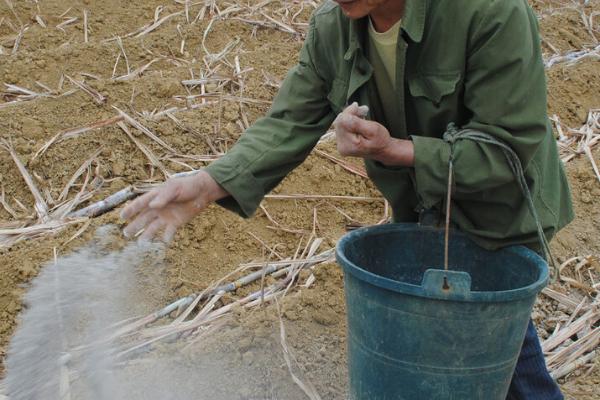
350	10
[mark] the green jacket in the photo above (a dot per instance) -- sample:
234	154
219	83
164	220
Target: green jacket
474	63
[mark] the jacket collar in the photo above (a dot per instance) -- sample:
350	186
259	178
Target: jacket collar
413	24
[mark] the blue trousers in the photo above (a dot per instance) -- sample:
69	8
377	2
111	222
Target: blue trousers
531	380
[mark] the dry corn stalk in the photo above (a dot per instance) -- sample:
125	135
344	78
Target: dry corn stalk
136	124
41	207
105	205
577	335
306	386
94	94
188	320
574	142
573	57
147	152
348	167
86	164
17	95
71	133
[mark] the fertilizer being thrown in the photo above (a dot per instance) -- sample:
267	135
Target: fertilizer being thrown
61	349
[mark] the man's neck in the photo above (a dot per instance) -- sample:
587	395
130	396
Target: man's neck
387	14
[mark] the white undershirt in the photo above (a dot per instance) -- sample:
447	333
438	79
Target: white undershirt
385	45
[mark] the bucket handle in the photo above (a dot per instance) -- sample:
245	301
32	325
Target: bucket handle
447	283
451	136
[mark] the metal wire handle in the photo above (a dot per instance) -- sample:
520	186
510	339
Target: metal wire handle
448	209
451	136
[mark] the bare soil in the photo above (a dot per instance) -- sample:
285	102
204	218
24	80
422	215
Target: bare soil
218	241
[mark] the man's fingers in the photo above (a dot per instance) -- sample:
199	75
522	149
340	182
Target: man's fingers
140	222
367	129
362	111
351	109
138	205
169	233
355	141
353	126
338	119
355	109
345	123
350	145
166	194
151	230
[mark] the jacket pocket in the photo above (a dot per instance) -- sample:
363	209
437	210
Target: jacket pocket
433	86
337	96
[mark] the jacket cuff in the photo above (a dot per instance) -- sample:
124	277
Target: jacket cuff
245	192
432	157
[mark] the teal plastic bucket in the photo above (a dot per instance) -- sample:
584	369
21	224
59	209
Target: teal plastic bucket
416	331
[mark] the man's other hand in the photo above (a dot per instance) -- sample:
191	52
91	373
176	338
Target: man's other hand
357	137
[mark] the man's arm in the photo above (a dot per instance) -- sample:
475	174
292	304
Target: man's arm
278	142
264	155
505	91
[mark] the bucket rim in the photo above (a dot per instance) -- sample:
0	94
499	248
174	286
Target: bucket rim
524	292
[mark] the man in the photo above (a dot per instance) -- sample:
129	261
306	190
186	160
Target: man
419	66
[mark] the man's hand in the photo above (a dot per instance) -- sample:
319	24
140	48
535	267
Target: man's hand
170	206
358	137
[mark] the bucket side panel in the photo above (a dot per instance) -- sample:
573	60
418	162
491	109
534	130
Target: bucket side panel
431	345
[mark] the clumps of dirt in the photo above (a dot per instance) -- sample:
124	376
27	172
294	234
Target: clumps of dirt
573	91
315	332
581	236
584	386
562	27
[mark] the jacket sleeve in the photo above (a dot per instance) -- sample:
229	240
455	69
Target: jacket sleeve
505	94
277	143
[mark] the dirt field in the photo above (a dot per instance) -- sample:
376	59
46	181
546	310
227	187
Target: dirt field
240	57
